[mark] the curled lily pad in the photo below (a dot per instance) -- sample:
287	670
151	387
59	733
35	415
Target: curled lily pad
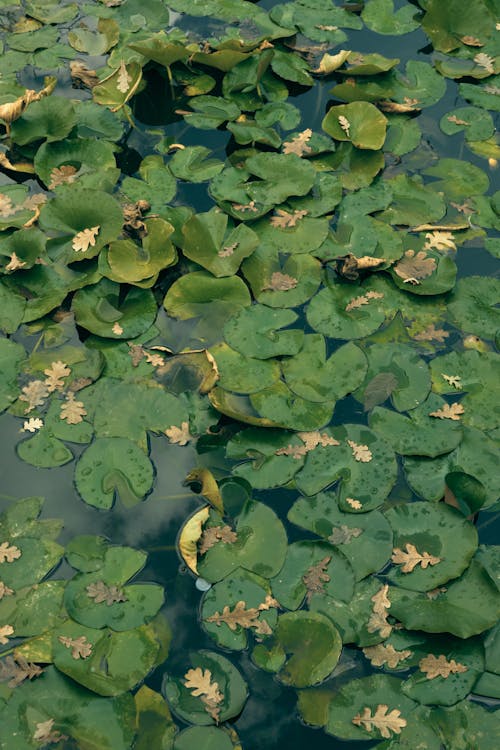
201	294
50	119
113	467
117	88
359	122
125	261
191	164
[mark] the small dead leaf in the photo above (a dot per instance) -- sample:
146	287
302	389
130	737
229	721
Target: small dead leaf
245	207
199	681
46	735
62	176
227	251
385	654
14	263
179	435
6	207
453	380
360	452
80	647
285	219
4	590
449	411
242	617
345	125
299	144
123	80
312	439
55	374
440	241
378	618
456	120
407	105
215	534
117	329
14	670
81	76
471	41
434	593
101	592
72	411
189	536
136	353
9	552
412	557
362	300
5	632
154	359
354	503
485	61
316	577
415	266
431	333
281	282
85	239
32	424
438	666
34	394
344	534
382	720
322	27
295	451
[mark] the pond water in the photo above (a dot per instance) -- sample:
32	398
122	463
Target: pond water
141	344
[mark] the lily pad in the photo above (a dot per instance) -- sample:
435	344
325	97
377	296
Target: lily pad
361	123
102	310
255	332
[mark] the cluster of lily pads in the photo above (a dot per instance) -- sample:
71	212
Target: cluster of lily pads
287	302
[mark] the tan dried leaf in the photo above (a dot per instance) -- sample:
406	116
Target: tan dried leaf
345	125
199	681
431	333
438	666
408	105
299	144
34	394
242	617
285	219
4	590
227	251
322	27
449	411
456	120
378	618
440	241
412	557
485	61
434	593
72	411
471	41
360	452
268	603
14	263
80	647
344	534
215	534
136	353
32	424
415	266
465	207
101	592
117	329
314	438
82	76
62	176
245	207
381	720
385	654
6	207
9	553
453	380
363	300
154	359
5	632
123	80
281	282
316	577
85	239
46	735
14	670
295	451
180	435
55	374
354	503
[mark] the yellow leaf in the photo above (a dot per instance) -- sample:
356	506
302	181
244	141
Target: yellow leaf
227	251
412	557
189	536
82	76
449	411
85	239
381	720
360	452
344	534
438	666
385	654
209	487
471	41
312	439
45	735
245	207
123	80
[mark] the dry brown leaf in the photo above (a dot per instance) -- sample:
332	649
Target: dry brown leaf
123	80
354	503
363	300
434	593
245	207
299	144
471	41
314	438
5	632
46	735
55	374
81	76
407	105
10	111
179	435
322	27
378	617
34	394
344	534
268	603
360	452
456	120
316	577
438	666
199	681
485	61
14	263
6	207
154	359
80	647
440	241
136	353
285	219
4	590
281	282
117	329
227	251
449	411
100	592
431	333
385	654
14	670
381	720
345	124
9	553
295	451
62	176
453	380
32	424
85	239
412	557
415	266
215	534
72	411
242	617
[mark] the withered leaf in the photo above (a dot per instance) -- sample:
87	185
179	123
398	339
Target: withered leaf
350	265
245	207
438	666
199	681
314	438
15	670
295	451
440	240
46	735
55	374
4	590
345	125
32	424
62	176
385	654
356	504
456	120
485	61
6	207
379	389
227	251
5	632
344	534
14	263
285	219
117	329
72	411
123	80
299	144
364	299
34	394
415	266
215	534
360	452
381	720
431	333
453	380
80	647
412	557
242	617
471	41
9	553
449	411
316	577
378	617
100	593
179	435
281	282
153	359
407	105
136	353
85	239
82	76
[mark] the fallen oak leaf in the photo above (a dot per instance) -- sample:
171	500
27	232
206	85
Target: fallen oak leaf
80	647
360	452
63	175
123	80
316	577
449	411
4	590
46	735
453	380
415	266
179	435
381	720
364	299
72	411
101	592
285	219
280	282
9	552
55	374
299	144
32	424
438	666
14	670
385	654
412	557
85	239
242	617
5	632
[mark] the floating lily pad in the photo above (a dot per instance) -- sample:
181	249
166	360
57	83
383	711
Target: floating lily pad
266	466
102	310
359	122
255	332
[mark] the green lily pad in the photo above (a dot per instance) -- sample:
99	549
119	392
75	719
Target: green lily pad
265	465
101	309
51	118
381	17
255	332
125	261
156	186
192	165
44	450
445	24
472	306
476	123
281	175
361	123
33	610
482	725
413	203
12	355
205	738
93	161
113	467
242	374
278	284
296	233
95	42
281	407
117	88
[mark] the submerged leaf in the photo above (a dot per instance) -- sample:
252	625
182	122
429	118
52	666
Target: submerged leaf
281	282
46	735
101	592
316	577
14	670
